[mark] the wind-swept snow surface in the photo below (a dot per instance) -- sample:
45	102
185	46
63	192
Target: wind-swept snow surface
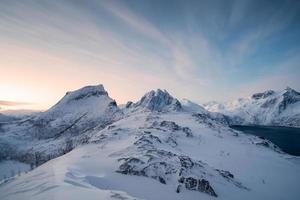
159	148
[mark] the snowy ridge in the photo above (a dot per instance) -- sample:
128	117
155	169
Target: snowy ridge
156	148
266	108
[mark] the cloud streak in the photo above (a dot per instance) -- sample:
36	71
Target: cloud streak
13	103
205	52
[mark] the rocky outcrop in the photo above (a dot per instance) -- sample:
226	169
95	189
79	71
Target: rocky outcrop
164	166
146	158
263	95
172	126
200	185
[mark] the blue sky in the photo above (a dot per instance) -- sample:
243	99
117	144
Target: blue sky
201	50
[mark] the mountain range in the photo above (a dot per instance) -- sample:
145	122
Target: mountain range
86	146
267	108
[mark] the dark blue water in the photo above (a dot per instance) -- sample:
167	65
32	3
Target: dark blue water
288	139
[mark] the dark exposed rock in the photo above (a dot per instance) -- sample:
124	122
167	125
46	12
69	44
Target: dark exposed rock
261	137
290	96
178	188
200	185
263	95
128	104
191	183
161	180
204	186
111	127
226	174
112	104
147	139
211	119
187	131
186	162
172	126
131	167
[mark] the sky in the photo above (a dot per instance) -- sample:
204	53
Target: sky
199	50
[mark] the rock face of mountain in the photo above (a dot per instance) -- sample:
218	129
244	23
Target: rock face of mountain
156	148
266	108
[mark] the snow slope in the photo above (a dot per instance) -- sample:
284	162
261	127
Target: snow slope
158	152
266	108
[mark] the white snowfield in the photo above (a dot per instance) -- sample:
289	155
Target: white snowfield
280	108
157	148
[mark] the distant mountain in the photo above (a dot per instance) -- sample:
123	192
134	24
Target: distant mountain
155	148
267	108
20	113
6	118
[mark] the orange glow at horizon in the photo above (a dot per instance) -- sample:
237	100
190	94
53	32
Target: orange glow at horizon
41	79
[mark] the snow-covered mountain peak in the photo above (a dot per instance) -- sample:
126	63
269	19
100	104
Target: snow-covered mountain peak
83	108
291	94
86	97
159	100
85	92
286	93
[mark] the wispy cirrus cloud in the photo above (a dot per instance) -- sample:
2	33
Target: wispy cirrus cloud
208	47
13	103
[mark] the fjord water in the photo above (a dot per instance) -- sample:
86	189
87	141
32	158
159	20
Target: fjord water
287	138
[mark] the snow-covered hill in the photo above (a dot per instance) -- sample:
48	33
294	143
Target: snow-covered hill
156	148
267	108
